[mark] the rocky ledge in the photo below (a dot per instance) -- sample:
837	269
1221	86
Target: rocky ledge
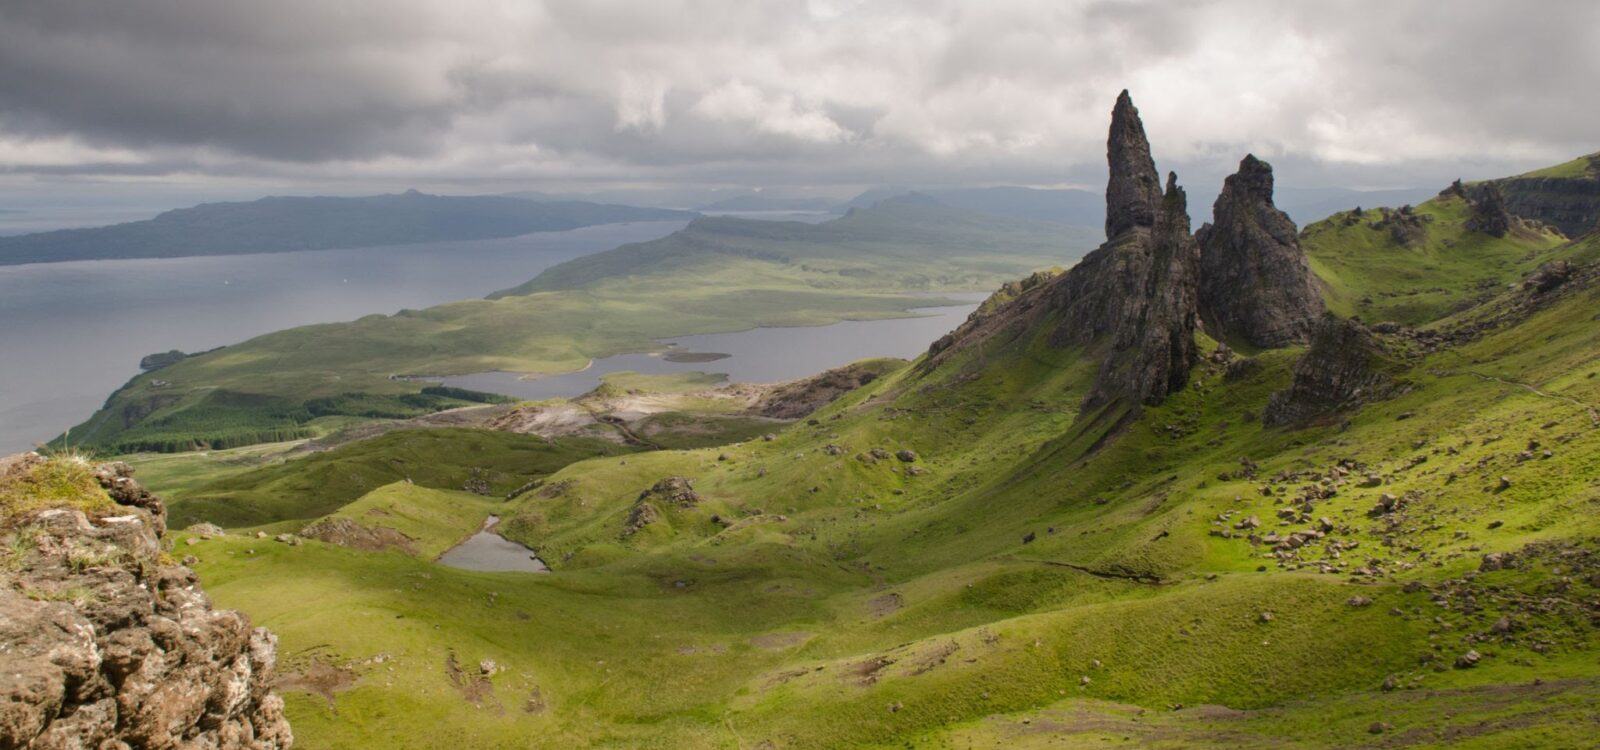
106	642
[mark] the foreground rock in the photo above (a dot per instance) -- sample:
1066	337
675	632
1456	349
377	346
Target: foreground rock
1255	283
107	645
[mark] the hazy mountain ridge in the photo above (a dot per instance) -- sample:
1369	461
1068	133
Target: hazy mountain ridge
287	224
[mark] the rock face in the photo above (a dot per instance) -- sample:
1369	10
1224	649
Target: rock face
1489	214
1255	284
1345	366
1570	204
106	646
1138	292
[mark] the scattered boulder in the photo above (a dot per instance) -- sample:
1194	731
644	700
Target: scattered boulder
677	491
1548	276
1498	561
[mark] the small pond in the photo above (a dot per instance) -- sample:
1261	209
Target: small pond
489	552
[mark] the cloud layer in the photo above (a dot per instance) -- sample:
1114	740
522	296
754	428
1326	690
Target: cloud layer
824	92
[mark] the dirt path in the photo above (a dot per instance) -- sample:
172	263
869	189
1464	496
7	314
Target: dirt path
1594	414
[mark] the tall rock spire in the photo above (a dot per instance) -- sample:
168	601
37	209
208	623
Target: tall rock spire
1136	294
1255	284
1134	193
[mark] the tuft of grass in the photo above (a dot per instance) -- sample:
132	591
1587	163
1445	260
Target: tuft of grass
60	481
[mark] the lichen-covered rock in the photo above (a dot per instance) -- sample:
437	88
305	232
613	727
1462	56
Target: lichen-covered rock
1345	366
1255	283
677	491
106	645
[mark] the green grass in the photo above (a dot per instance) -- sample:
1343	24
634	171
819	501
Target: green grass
435	520
62	481
1367	273
817	596
1583	166
316	485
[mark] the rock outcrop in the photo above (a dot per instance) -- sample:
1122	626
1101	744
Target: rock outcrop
1345	366
1137	293
106	644
1489	214
1255	284
1132	303
1570	204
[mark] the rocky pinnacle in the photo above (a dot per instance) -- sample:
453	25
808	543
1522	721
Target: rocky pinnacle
1135	295
1134	192
1255	284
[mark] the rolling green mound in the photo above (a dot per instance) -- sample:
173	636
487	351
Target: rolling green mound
1009	542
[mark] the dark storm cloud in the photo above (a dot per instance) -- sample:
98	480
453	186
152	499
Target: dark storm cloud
785	92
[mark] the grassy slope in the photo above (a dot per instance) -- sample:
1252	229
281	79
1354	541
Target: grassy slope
1370	275
306	488
839	602
435	520
781	632
726	275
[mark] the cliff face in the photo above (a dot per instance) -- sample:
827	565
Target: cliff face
1137	292
1255	284
107	644
1571	204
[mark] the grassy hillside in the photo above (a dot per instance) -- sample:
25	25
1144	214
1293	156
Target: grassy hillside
720	275
283	224
1033	578
1385	265
304	488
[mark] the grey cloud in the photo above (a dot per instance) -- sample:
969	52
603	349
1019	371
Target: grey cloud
785	92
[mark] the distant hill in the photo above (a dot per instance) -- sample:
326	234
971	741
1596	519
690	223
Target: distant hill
910	241
284	224
1057	206
756	202
1085	208
1307	205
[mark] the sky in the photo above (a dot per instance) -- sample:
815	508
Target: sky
168	100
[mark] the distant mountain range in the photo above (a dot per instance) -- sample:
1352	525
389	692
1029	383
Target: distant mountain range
285	224
757	202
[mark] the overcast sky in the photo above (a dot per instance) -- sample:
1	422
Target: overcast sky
233	96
